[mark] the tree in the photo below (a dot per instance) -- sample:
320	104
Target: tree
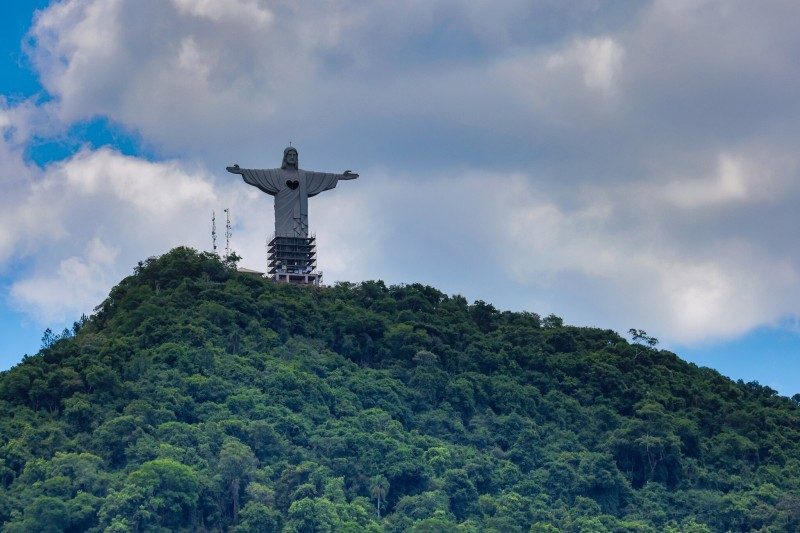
232	259
44	514
236	464
640	336
259	518
312	515
162	493
552	321
378	489
461	491
48	338
484	315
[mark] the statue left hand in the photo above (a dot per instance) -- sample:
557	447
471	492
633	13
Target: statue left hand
350	175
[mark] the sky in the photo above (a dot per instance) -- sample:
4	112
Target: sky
622	165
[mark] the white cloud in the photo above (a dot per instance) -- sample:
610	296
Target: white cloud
76	286
632	167
116	209
351	232
153	189
598	59
16	123
154	67
728	185
660	284
316	70
242	11
65	58
736	179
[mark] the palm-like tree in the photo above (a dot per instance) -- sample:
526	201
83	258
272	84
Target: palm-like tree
378	489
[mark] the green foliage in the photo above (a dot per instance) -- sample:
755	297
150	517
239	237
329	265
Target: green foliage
198	398
47	514
160	493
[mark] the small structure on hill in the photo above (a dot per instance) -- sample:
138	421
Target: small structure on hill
292	251
250	272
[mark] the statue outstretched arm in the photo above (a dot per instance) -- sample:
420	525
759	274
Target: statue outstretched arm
268	180
324	181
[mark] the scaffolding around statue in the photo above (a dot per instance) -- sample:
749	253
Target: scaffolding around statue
293	260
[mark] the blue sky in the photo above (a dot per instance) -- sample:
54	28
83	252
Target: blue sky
626	165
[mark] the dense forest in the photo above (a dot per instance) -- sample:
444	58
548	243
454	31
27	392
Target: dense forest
198	398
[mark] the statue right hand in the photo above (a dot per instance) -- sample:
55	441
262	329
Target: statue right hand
234	169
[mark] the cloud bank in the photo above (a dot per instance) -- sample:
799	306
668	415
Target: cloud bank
624	166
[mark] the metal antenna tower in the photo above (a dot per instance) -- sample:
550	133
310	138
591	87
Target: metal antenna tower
214	231
228	233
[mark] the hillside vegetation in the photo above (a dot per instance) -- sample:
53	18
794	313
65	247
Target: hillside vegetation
197	398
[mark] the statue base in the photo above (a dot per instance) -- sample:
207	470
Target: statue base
312	278
293	260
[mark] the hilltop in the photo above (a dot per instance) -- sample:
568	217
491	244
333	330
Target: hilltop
200	398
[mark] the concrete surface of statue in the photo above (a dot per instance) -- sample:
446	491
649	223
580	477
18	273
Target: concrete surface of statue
291	186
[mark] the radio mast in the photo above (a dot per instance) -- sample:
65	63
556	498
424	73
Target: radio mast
214	232
228	233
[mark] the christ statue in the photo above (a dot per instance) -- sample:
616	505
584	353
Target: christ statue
291	186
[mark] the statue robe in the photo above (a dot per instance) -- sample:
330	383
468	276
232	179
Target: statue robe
291	189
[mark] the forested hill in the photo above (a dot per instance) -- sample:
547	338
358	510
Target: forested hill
197	398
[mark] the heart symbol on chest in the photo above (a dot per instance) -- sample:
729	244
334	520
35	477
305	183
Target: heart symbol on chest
292	184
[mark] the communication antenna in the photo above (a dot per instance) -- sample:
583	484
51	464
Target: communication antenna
228	233
214	231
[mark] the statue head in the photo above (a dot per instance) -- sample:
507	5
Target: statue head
289	157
